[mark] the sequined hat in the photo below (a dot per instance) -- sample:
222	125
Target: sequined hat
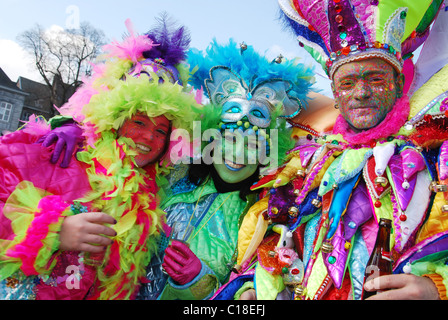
340	31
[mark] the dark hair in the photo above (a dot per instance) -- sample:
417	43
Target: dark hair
198	173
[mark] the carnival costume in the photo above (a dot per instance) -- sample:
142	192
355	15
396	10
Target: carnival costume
245	91
36	195
325	203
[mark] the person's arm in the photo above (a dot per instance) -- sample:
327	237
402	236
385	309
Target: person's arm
403	287
37	226
67	137
190	278
32	221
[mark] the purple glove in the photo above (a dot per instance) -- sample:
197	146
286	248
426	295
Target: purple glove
68	136
181	263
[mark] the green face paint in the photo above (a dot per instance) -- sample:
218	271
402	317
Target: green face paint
365	91
237	159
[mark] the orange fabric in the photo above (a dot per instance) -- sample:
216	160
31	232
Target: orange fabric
438	281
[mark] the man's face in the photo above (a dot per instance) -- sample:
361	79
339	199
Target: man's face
366	91
150	136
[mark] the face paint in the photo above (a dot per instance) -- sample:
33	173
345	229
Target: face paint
365	91
236	160
150	136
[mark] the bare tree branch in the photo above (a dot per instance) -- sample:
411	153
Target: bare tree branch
62	57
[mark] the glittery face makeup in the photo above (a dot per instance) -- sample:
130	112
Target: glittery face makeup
365	92
150	136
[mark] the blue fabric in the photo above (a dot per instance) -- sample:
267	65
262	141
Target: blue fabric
229	291
339	204
305	208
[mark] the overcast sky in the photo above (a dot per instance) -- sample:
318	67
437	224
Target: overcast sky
252	21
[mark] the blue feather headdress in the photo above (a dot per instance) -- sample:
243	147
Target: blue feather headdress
228	71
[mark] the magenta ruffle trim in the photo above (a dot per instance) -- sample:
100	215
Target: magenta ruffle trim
50	209
394	120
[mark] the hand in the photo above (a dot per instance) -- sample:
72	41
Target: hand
181	263
249	295
86	232
68	136
402	287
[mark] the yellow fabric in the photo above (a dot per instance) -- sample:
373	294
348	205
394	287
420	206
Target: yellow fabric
298	132
289	171
434	87
252	230
437	221
316	278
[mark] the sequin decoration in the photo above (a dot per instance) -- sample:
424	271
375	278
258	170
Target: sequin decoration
344	28
19	287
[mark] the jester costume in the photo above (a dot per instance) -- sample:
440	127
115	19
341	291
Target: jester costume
36	195
322	208
245	92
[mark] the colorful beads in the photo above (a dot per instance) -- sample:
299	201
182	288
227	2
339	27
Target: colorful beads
346	50
293	211
338	18
77	208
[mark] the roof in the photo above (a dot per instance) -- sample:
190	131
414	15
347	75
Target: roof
7	83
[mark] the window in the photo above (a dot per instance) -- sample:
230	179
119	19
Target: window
5	111
25	115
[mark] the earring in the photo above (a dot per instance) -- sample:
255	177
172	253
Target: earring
336	106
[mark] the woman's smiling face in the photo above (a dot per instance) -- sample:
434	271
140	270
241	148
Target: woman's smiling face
237	159
150	136
366	91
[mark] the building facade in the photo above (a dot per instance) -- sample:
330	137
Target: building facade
12	100
19	100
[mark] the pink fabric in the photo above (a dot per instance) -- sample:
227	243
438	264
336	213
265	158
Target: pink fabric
181	263
50	209
408	71
70	279
132	47
394	120
22	159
